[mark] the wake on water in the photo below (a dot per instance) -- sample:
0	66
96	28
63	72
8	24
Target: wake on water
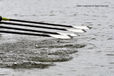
36	54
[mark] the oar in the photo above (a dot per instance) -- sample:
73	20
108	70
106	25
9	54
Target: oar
54	28
34	34
44	23
14	32
30	30
37	31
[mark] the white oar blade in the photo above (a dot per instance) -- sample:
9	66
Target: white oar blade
82	27
76	30
61	36
69	34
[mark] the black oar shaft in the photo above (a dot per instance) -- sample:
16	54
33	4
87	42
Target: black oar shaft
43	23
31	30
21	33
18	24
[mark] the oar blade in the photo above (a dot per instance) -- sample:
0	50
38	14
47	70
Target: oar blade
82	27
76	30
61	36
68	33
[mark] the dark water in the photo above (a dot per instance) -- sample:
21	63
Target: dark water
36	54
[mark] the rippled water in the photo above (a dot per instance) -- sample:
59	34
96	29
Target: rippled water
90	54
36	53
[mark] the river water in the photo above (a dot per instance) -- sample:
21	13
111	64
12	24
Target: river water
90	54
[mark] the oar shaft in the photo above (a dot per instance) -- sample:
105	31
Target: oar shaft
18	24
31	30
21	33
43	23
